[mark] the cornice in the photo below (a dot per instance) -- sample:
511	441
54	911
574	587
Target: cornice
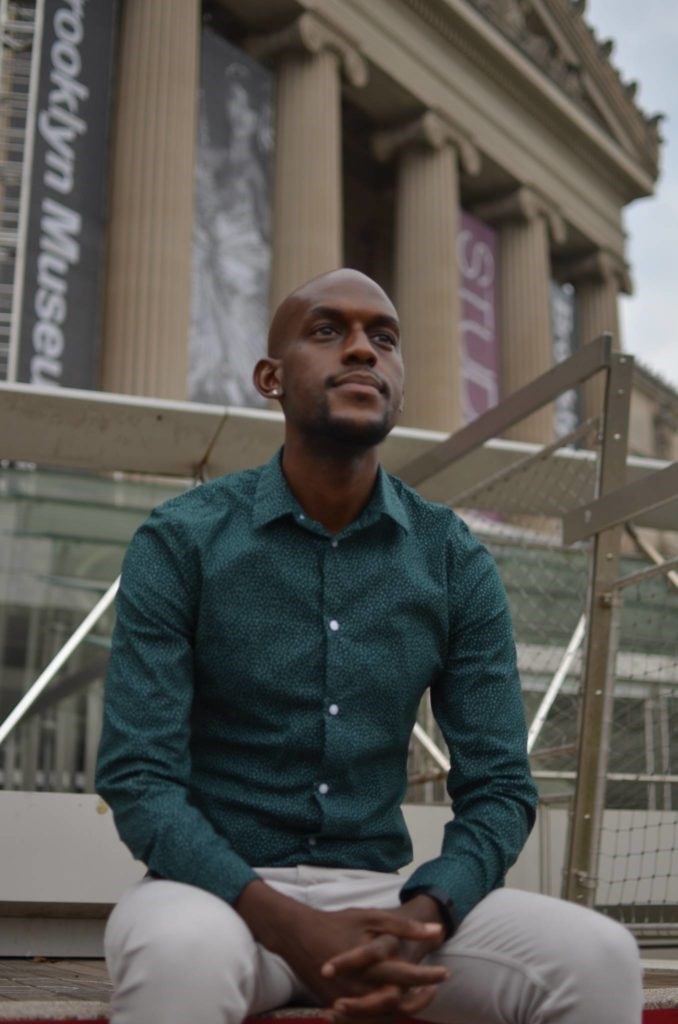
461	24
653	385
569	54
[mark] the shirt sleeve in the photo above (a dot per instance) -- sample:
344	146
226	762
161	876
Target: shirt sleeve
144	765
478	705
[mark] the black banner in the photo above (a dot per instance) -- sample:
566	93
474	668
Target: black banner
61	306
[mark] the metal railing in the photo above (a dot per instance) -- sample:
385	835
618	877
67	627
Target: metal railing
607	676
553	516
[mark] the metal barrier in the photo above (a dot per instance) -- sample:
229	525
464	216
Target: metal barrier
631	856
599	688
594	625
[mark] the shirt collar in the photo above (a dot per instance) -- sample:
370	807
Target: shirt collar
273	499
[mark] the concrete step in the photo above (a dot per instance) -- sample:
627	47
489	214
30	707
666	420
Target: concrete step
65	991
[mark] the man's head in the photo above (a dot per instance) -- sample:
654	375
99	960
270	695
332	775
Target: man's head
334	361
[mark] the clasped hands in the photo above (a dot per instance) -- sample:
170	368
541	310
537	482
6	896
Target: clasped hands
380	977
362	964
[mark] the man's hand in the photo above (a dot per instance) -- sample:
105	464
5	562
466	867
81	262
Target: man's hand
390	960
362	963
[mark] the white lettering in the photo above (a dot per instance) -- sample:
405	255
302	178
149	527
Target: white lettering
68	27
66	58
477	322
48	339
50	305
59	225
45	370
60	125
59	249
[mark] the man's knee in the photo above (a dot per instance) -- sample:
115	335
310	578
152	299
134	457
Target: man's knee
167	927
550	938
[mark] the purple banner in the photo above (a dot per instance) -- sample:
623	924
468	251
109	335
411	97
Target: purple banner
476	249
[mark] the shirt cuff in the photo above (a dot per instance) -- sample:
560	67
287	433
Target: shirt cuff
445	905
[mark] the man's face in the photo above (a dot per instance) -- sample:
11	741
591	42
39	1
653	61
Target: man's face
341	369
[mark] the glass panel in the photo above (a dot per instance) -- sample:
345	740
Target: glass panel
62	539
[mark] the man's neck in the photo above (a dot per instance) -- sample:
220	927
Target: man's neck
332	487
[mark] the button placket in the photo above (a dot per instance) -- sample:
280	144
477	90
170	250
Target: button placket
329	769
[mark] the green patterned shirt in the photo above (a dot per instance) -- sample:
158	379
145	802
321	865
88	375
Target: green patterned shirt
265	678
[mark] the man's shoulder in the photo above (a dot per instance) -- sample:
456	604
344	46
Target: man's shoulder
428	515
209	500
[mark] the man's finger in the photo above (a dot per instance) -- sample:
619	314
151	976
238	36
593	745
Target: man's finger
416	999
404	927
360	957
352	1011
383	1001
405	974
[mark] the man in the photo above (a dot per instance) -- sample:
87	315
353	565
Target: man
276	631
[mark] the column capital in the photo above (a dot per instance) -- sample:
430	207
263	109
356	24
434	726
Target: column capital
430	130
311	34
597	265
523	204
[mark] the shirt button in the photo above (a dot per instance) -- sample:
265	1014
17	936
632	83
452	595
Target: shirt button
323	788
334	625
301	515
312	840
333	709
334	543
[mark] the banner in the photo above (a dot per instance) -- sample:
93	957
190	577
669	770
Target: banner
58	331
563	333
476	251
231	240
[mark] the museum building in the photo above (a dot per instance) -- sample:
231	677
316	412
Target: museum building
473	156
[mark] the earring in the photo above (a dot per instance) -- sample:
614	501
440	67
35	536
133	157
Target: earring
275	391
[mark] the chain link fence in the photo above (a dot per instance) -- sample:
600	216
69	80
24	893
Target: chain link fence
546	585
632	873
638	867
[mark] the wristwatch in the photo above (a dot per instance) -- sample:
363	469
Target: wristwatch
445	905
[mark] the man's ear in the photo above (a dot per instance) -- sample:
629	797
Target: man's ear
267	377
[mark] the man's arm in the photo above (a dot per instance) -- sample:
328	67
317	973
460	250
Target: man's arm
144	756
478	705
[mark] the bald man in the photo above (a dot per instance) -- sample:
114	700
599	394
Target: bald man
276	631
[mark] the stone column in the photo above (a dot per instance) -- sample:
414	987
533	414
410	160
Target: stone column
426	267
307	185
524	273
598	278
148	282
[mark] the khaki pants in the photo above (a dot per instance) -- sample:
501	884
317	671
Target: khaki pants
179	955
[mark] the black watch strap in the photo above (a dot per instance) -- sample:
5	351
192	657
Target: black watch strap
445	904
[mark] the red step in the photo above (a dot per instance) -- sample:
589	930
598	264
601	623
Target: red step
649	1017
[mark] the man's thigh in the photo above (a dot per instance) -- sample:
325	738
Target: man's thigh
517	957
524	957
162	931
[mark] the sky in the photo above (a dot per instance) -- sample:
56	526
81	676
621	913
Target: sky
646	49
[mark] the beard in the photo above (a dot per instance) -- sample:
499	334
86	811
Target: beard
343	433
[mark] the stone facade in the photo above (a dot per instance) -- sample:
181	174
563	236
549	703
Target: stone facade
391	116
